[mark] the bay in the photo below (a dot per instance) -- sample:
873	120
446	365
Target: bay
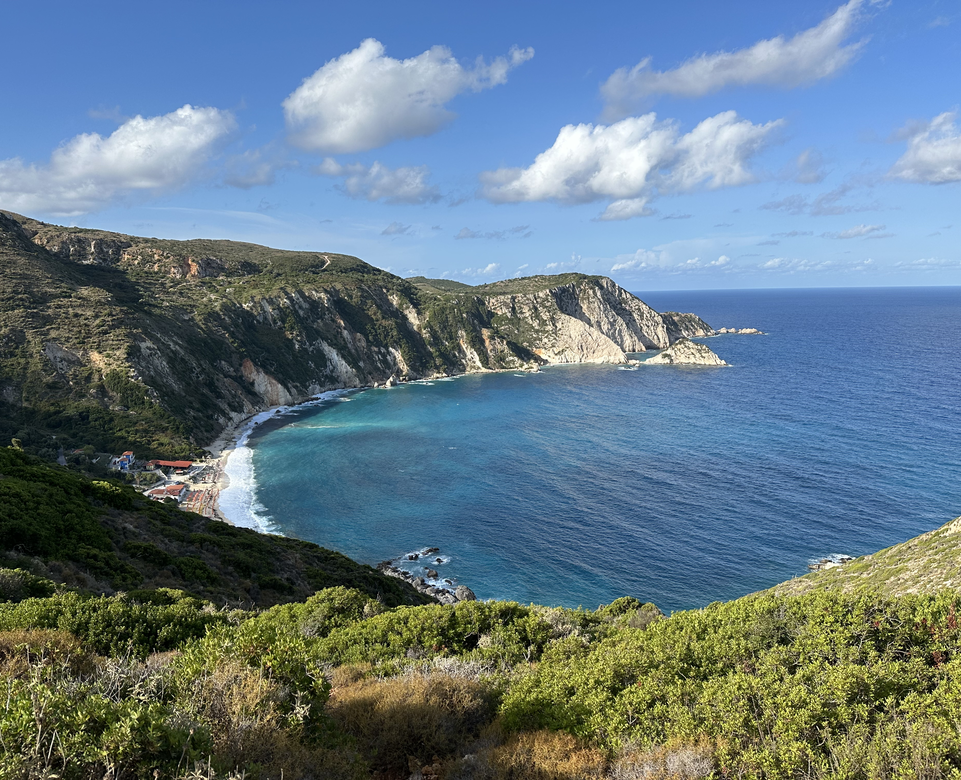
838	432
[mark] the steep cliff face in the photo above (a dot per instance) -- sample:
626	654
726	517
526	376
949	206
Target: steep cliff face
116	340
590	319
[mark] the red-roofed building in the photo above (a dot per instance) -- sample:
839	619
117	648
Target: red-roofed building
170	464
167	491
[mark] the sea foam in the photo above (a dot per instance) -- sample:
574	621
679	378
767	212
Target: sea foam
238	501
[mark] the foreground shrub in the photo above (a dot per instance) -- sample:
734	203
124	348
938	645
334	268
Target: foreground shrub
411	718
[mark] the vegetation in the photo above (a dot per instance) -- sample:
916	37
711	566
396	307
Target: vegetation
104	537
111	342
163	684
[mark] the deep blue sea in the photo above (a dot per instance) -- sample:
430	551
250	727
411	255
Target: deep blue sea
838	432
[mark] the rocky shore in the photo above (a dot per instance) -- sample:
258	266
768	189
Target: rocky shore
446	591
686	353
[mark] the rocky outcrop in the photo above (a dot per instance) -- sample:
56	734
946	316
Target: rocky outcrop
742	331
686	353
589	320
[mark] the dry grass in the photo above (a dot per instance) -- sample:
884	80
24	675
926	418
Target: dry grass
21	650
673	761
410	720
532	755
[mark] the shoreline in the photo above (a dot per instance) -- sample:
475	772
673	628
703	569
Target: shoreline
230	439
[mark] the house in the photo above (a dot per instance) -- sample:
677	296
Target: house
168	491
177	465
125	461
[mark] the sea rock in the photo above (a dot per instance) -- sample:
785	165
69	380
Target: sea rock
686	353
432	574
743	331
463	593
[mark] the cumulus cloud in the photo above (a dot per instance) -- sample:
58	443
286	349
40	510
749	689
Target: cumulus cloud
934	152
858	231
144	155
488	270
809	56
378	182
500	235
364	99
632	161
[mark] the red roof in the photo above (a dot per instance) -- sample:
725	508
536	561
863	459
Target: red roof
173	491
128	452
172	464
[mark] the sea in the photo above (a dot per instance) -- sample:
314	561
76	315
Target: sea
837	432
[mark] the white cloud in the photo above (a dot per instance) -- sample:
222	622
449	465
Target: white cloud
858	231
930	264
934	152
662	262
809	56
631	161
809	167
378	182
364	99
254	167
151	155
829	203
488	270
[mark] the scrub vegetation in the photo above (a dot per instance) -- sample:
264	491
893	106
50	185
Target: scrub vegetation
137	641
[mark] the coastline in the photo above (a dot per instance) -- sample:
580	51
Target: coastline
231	443
234	437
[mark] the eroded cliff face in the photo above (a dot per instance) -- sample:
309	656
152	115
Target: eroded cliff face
590	320
205	332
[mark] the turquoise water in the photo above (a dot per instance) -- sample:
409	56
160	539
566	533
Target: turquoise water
838	432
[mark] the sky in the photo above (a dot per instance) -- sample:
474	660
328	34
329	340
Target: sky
669	145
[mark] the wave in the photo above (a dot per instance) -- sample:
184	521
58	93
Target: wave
238	501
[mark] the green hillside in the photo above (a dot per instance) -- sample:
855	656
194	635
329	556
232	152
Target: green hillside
103	537
925	564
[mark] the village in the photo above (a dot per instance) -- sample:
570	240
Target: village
194	485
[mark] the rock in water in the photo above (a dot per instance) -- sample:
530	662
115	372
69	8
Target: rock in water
463	593
684	352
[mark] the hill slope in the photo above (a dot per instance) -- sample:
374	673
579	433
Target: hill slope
103	537
925	564
113	342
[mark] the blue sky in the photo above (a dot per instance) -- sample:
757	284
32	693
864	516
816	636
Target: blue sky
682	145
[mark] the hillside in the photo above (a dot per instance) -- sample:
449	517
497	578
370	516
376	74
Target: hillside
103	537
925	564
113	342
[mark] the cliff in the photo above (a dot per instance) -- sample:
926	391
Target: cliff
686	353
113	341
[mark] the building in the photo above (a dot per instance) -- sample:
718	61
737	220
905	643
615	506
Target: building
168	491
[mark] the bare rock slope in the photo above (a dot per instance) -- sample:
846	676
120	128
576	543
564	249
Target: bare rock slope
685	352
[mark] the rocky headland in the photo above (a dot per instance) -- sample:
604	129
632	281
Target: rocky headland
685	352
118	342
